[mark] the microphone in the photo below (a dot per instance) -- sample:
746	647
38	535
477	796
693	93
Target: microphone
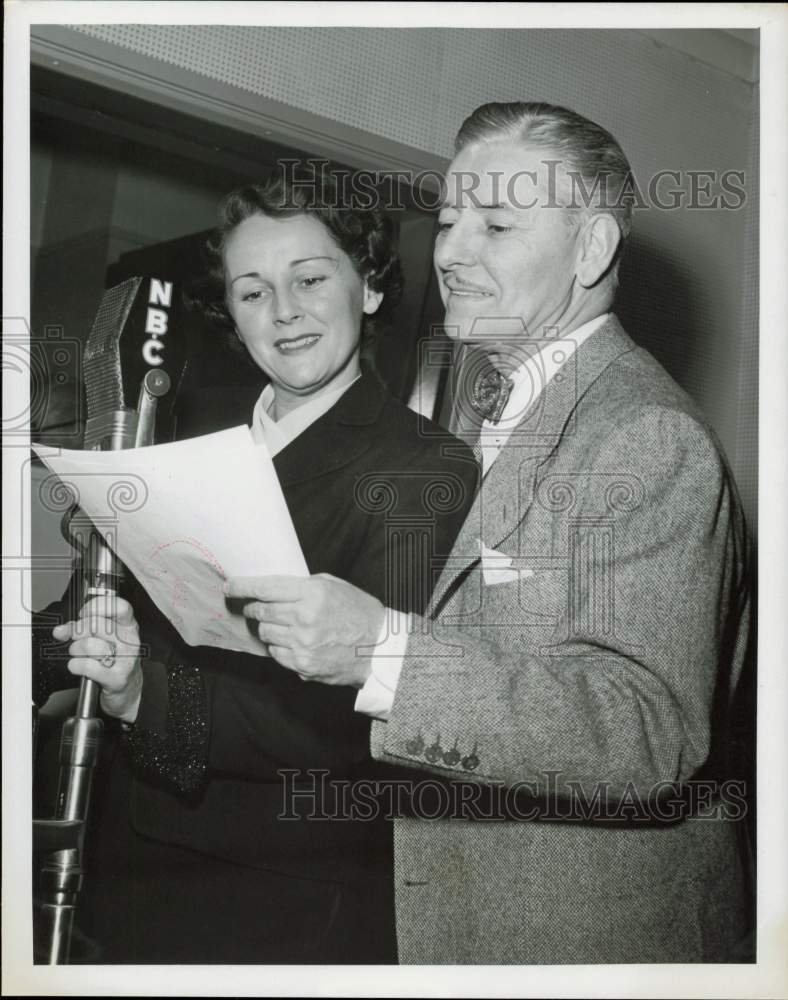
137	351
130	357
131	360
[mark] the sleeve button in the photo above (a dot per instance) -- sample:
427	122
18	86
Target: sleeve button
414	747
451	757
471	762
434	753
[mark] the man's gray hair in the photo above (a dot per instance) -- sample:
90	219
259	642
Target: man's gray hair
589	152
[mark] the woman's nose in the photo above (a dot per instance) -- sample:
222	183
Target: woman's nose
287	309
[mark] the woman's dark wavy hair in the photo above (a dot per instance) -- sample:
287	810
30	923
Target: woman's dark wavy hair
366	235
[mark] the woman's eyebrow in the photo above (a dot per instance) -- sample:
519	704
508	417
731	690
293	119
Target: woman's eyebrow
293	263
248	274
317	256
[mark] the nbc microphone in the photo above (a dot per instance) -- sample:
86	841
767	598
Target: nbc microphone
131	360
131	363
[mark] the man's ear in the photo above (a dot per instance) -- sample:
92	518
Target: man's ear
599	241
372	300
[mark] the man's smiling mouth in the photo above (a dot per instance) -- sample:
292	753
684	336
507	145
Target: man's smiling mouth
466	290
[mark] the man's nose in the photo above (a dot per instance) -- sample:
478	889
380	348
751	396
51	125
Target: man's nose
455	246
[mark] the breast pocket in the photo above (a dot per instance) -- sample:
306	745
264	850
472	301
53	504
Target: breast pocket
533	598
522	605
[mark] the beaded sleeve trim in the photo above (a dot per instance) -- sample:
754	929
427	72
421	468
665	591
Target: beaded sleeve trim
50	672
179	756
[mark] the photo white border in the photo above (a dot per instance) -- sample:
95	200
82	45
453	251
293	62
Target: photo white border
769	977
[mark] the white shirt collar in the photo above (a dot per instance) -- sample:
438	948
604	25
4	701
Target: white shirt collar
529	380
276	434
540	368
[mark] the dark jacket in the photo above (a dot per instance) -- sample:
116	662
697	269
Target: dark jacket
377	495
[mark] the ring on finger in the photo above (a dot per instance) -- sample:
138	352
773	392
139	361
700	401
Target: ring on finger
109	658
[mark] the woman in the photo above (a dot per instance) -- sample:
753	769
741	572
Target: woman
241	848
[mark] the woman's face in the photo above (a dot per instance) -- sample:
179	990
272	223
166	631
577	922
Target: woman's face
297	302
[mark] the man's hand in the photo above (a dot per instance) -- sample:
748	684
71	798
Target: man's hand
321	627
106	649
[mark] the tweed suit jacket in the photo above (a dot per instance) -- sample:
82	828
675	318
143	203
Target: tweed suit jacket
572	705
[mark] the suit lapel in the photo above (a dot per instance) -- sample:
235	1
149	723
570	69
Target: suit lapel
508	488
337	438
333	441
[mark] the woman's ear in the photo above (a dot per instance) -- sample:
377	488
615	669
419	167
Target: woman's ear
372	300
598	245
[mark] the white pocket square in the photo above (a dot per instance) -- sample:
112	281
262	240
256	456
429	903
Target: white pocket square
497	567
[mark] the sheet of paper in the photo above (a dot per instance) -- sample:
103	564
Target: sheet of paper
186	516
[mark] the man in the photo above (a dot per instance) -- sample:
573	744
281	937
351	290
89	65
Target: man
571	681
587	636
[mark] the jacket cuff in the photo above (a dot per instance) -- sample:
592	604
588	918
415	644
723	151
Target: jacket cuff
170	737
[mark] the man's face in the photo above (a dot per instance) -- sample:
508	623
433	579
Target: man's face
504	249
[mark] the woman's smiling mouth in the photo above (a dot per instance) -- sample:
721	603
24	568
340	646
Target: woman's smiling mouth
293	345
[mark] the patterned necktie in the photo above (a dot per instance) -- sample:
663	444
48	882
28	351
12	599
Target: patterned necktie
490	393
479	393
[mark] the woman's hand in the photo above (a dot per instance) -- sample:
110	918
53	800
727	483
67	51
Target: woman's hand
106	649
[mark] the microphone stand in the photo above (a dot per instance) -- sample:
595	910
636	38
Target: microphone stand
61	839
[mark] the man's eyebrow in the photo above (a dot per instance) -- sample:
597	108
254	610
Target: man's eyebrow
293	263
499	205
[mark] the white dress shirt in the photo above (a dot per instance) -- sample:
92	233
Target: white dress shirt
376	697
276	434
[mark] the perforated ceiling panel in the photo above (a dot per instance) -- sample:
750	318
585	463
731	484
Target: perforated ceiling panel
416	85
364	77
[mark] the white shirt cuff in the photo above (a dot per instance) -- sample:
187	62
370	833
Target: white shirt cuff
376	697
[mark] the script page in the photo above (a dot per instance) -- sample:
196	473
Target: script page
183	518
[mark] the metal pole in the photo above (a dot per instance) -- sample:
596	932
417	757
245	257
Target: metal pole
62	871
